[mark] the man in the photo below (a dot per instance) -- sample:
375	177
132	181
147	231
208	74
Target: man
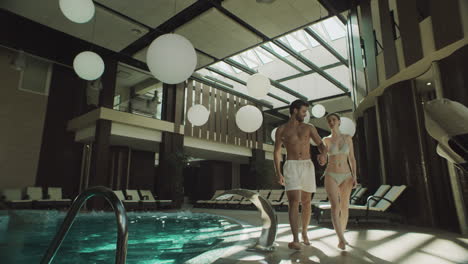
299	171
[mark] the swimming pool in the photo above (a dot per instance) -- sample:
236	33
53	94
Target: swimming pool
153	237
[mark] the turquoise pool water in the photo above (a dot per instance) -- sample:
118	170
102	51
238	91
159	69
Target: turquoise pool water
153	237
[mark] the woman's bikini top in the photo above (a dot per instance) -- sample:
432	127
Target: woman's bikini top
336	150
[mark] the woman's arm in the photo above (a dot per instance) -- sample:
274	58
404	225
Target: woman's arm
351	158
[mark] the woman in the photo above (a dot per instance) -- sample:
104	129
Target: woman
340	176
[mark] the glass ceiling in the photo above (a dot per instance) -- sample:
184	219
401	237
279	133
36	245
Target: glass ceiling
277	64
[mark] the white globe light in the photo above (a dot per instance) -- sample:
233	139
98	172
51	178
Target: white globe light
78	11
88	65
307	118
249	118
258	85
171	58
273	134
198	115
347	126
318	111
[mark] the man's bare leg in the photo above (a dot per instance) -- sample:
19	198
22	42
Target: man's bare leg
294	198
306	211
333	195
345	191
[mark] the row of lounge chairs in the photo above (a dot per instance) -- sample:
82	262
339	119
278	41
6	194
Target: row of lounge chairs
375	205
141	200
35	198
277	198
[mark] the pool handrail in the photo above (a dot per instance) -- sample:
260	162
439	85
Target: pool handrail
120	213
267	214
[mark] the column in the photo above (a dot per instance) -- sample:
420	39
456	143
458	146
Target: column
404	161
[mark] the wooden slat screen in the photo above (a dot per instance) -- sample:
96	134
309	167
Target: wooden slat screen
221	125
188	129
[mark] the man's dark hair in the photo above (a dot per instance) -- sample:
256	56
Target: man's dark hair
297	105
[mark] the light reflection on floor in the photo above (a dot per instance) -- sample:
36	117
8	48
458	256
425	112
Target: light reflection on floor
369	244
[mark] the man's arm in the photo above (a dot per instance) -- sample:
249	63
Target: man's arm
277	154
316	138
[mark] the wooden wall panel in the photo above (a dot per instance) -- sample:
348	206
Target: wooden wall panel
388	41
60	155
179	105
258	136
402	152
168	109
196	129
212	119
357	74
372	182
231	131
169	178
141	170
224	117
221	125
238	131
446	22
409	31
206	103
242	135
249	135
218	115
367	32
189	102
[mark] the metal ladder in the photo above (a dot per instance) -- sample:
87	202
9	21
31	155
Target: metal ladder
120	213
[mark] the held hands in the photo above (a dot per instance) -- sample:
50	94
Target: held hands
322	159
281	179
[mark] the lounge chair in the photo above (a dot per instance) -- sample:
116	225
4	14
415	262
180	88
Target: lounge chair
247	204
134	197
34	194
53	199
13	198
233	203
264	193
358	194
277	198
129	204
381	191
379	210
319	197
220	201
147	195
206	203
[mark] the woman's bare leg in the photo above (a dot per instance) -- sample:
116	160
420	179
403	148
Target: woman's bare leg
333	195
345	190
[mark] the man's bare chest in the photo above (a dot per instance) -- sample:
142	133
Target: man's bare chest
295	136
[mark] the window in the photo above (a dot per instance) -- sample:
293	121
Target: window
116	102
334	28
